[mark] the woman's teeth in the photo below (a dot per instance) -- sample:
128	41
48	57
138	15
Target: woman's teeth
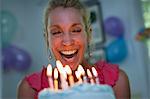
68	52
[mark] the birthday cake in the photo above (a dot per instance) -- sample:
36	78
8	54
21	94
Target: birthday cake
86	87
81	91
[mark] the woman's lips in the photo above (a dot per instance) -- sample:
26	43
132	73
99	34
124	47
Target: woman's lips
69	56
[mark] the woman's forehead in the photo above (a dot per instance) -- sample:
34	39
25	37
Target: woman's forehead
62	15
63	9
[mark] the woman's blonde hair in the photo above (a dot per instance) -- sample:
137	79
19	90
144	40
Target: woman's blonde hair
66	4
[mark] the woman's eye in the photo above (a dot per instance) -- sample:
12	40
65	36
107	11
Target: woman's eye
76	30
56	33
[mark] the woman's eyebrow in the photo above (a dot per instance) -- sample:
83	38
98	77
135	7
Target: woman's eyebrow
77	24
53	26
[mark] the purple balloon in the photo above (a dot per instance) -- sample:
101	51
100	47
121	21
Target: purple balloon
114	26
8	58
16	58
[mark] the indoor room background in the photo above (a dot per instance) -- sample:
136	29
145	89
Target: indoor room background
23	34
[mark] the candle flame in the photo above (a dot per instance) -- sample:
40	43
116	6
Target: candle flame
81	70
94	72
49	70
59	66
55	73
89	73
77	74
68	70
61	69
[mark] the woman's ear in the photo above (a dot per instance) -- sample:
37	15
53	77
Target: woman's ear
46	39
89	33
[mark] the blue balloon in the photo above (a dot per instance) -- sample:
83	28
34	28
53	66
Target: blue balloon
116	51
15	58
114	26
8	24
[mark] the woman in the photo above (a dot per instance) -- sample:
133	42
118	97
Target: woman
67	33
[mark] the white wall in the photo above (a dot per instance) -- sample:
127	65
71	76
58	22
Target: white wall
29	37
130	12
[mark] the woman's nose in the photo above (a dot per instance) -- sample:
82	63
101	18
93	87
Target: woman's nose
67	39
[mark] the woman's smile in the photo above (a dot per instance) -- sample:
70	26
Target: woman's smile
69	55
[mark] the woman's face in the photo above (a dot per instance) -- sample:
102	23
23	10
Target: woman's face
67	37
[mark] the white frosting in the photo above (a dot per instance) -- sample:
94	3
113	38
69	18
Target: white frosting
82	91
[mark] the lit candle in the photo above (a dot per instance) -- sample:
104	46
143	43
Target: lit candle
63	75
69	72
78	75
55	79
49	74
81	70
96	75
90	76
